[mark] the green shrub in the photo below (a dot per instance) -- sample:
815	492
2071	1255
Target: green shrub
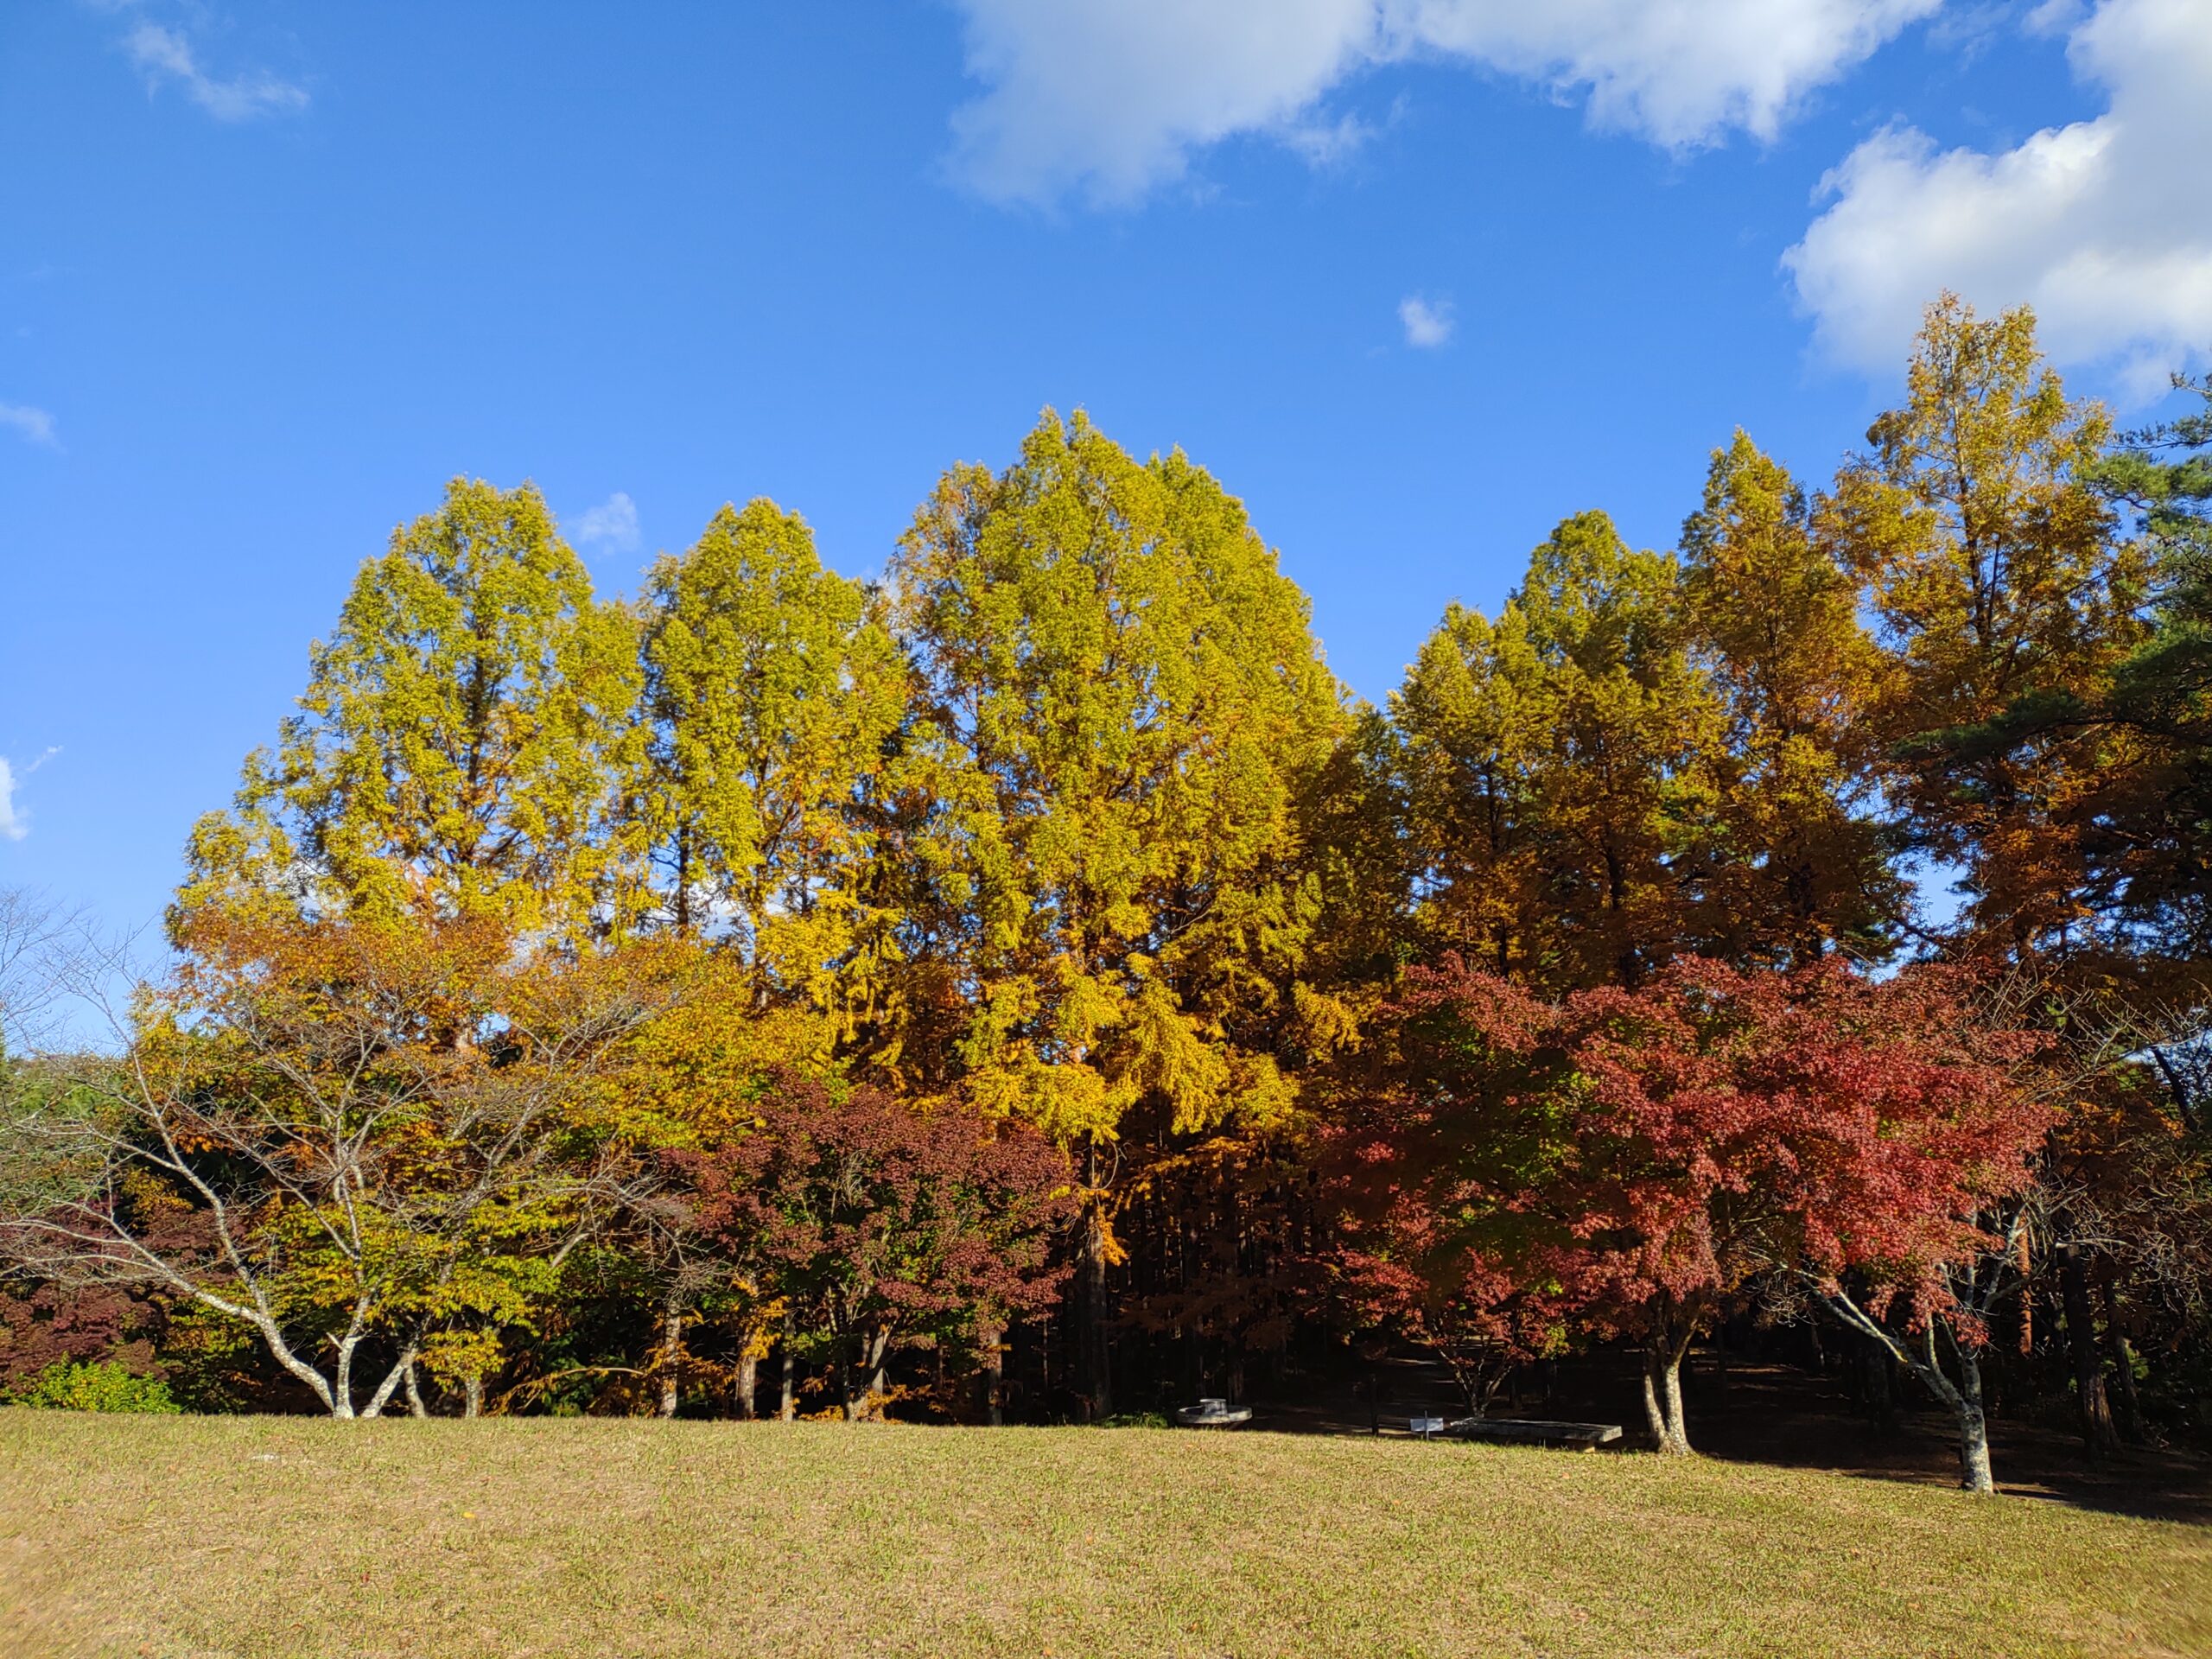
103	1385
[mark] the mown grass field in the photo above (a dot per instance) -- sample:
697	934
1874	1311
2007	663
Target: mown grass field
172	1536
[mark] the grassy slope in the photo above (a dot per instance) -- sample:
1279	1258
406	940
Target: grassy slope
244	1535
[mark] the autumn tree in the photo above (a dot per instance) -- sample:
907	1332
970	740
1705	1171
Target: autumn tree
348	1137
1473	720
687	1082
1435	1158
1989	560
1558	775
1913	1111
1117	697
1632	1160
464	747
880	1226
772	692
1802	863
1730	1121
2140	823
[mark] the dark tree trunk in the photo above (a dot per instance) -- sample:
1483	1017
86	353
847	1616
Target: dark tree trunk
995	1381
1097	1380
2091	1402
2123	1367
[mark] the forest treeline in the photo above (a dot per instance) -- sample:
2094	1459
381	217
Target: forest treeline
1029	986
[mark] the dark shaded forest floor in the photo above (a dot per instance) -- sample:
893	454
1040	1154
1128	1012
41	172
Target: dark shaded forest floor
1784	1417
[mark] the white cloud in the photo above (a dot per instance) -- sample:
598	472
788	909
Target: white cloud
1428	323
1110	97
2055	16
613	524
2104	226
36	425
15	820
164	54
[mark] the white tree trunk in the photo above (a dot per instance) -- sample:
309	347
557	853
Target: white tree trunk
1963	1397
1974	1426
1662	1394
389	1385
748	1381
672	1354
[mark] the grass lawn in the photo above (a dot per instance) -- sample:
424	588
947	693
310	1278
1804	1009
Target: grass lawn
172	1536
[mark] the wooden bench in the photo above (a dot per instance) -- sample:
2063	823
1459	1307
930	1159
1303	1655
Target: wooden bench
1522	1431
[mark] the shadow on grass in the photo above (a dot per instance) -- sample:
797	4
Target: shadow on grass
1778	1415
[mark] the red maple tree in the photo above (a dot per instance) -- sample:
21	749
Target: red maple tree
1637	1159
879	1223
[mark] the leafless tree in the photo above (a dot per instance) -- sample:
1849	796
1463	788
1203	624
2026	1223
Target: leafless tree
38	938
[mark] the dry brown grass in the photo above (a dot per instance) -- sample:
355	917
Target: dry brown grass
277	1536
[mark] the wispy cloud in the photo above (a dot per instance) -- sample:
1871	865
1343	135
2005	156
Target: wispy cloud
15	820
611	524
164	54
1428	322
33	425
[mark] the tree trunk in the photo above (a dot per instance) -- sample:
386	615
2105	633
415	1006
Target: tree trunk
472	1395
747	1381
873	1404
1670	1376
2092	1405
2123	1367
672	1354
415	1406
995	1381
1662	1391
1098	1381
1963	1397
1974	1426
787	1409
684	880
404	1368
1654	1418
863	1377
341	1382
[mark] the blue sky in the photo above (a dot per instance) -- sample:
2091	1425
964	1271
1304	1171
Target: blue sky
1415	278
